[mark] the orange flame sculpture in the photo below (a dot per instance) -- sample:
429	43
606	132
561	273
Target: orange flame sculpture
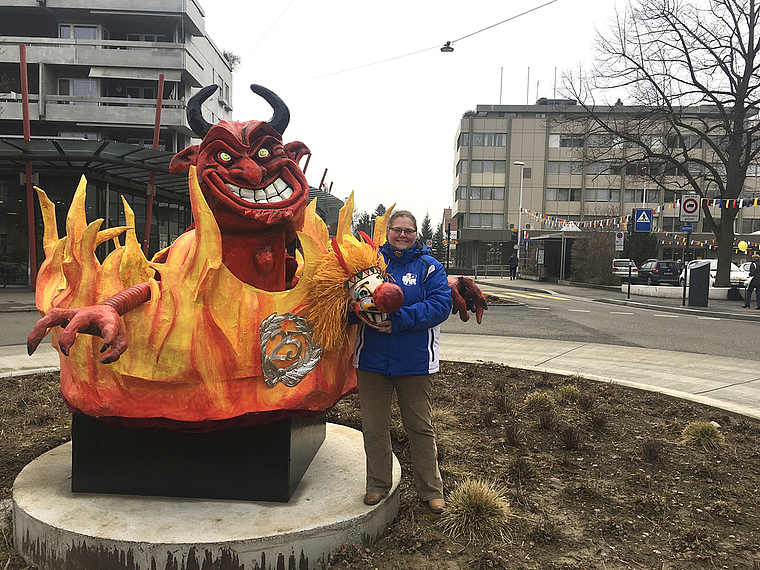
206	346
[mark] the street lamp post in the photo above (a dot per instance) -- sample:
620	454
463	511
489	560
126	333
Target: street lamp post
521	164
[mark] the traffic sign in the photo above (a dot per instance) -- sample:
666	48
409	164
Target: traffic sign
449	242
642	219
689	208
619	241
687	228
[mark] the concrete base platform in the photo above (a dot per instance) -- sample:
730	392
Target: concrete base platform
57	529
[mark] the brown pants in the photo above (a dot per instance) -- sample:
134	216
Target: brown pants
414	402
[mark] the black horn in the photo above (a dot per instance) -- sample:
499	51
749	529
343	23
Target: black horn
195	118
281	118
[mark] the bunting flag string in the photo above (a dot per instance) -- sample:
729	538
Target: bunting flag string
621	221
669	237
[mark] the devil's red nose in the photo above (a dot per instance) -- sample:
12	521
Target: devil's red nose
388	297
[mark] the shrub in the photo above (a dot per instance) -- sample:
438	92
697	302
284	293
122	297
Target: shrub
539	401
477	510
705	434
568	393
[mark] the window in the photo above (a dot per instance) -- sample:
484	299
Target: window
750	225
489	139
146	38
78	88
78	135
489	166
475	193
599	141
460	193
571	141
146	143
462	167
464	140
486	193
634	196
485	220
689	142
564	167
77	32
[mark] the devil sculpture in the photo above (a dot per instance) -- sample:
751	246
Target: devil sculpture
216	324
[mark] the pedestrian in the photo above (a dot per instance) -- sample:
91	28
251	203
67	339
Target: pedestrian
513	262
754	281
401	355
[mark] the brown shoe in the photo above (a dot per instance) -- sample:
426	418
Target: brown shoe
372	498
437	505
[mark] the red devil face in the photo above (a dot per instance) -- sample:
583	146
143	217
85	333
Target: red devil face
249	178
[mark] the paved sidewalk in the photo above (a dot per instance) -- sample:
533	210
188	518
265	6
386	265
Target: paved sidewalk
731	384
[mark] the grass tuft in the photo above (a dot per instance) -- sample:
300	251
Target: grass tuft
704	434
568	393
571	438
539	401
651	450
477	510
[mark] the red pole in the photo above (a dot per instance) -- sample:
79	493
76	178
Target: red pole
156	132
29	189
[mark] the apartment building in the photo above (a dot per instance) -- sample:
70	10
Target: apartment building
567	176
93	73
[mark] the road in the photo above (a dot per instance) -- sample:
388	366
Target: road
571	314
575	314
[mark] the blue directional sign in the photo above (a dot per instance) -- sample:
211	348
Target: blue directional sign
689	228
642	219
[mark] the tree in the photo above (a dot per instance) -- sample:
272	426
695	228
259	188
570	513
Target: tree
362	223
380	210
439	248
232	58
426	229
639	246
690	67
591	258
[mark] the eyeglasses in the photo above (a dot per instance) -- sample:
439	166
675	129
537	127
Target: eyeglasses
398	231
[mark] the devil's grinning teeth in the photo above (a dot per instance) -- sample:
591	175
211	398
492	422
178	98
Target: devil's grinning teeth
277	191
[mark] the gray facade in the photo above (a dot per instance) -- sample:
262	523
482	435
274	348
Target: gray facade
93	68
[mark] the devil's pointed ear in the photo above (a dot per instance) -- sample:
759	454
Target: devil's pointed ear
296	150
184	159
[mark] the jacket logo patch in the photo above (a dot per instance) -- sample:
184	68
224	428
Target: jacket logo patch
409	279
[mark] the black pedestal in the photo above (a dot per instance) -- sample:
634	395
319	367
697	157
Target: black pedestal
254	463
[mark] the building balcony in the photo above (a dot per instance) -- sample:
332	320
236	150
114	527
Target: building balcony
96	110
115	56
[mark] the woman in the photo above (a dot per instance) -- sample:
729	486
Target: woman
401	354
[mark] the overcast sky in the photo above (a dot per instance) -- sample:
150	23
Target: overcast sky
387	130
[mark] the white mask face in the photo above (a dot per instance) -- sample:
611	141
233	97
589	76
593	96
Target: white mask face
361	292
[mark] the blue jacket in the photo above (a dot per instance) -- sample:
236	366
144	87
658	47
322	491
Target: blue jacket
412	346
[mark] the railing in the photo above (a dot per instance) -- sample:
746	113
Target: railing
113	102
13	274
492	270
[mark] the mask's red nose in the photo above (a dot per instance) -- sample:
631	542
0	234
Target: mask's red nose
388	297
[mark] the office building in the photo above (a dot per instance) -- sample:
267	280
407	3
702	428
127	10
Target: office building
568	175
93	71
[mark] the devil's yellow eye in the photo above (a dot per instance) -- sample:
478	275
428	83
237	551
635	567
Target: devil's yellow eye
263	153
225	157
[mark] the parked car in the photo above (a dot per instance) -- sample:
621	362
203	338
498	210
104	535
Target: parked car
620	269
739	277
745	266
656	271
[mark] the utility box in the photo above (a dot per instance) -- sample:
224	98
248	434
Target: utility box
699	284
